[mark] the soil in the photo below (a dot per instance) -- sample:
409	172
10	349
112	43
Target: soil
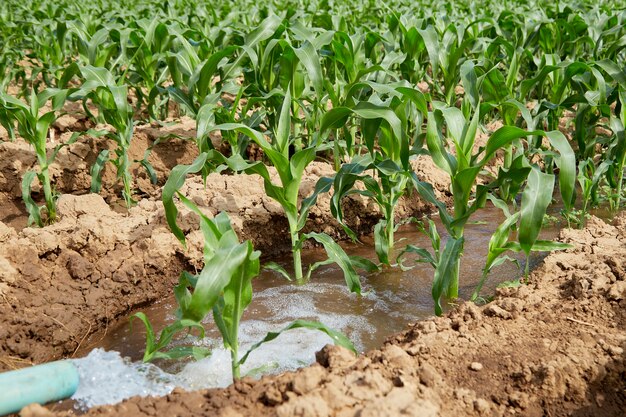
553	347
61	283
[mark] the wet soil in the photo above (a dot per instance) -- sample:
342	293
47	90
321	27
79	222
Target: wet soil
393	296
552	347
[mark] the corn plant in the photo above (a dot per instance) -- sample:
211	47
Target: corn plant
464	164
617	155
446	53
95	46
193	79
113	107
224	288
34	129
499	245
51	50
148	70
290	169
387	157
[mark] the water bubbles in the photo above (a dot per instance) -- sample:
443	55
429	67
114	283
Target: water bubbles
107	378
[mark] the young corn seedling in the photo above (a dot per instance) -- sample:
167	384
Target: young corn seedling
51	50
223	288
194	79
34	129
589	179
384	133
446	53
499	243
147	72
463	165
96	47
113	107
290	169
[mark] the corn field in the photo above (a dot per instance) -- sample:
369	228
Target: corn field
518	105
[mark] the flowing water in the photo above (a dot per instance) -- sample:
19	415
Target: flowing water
111	370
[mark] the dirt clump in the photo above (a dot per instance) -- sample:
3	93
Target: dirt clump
552	347
60	283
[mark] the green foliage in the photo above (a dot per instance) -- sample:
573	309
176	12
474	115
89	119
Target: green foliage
274	86
100	88
388	150
224	288
290	169
34	128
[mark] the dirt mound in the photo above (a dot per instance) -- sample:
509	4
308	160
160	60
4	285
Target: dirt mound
63	282
553	347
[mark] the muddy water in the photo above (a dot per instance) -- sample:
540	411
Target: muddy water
392	297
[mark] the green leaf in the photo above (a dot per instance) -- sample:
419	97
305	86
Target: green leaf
273	266
381	243
264	31
431	40
614	71
34	212
314	266
311	61
236	297
427	192
436	144
444	272
470	83
566	161
334	118
323	185
154	348
535	200
96	171
172	185
424	256
213	278
343	185
283	129
150	336
503	137
339	256
363	263
97	77
549	246
338	338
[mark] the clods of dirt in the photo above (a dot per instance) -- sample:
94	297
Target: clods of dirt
61	283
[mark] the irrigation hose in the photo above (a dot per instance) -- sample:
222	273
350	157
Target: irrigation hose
37	384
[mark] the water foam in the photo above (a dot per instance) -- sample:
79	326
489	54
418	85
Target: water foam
107	378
